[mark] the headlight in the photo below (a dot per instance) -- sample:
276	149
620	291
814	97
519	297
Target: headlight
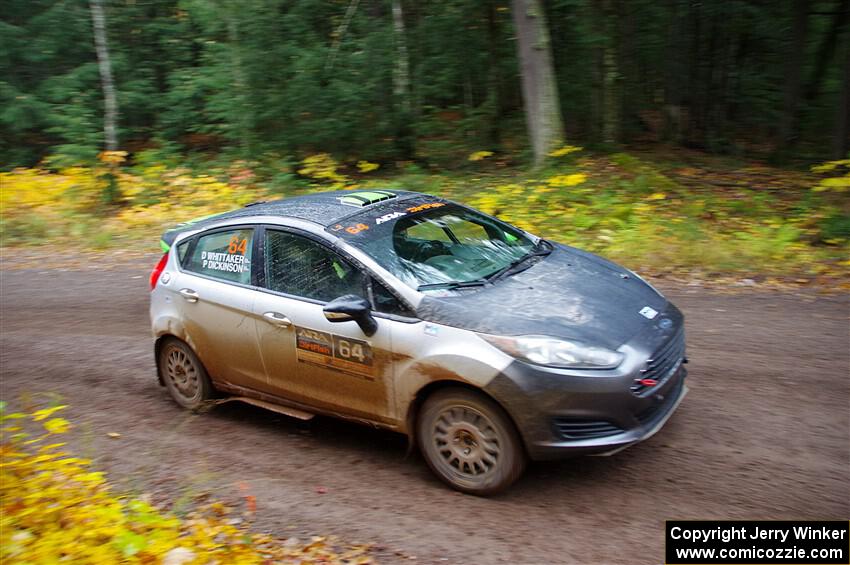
553	352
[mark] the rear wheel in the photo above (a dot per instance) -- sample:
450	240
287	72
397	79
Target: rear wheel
184	375
470	442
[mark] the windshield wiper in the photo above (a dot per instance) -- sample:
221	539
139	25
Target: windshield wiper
542	249
449	285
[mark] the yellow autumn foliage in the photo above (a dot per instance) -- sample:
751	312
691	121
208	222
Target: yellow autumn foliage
42	205
621	206
565	150
563	181
323	169
56	509
366	166
836	181
480	155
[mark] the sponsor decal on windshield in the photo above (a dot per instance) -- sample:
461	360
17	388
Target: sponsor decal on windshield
388	217
359	225
427	206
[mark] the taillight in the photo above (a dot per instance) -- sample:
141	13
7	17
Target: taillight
158	270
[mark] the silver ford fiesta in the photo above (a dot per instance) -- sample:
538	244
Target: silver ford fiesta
485	344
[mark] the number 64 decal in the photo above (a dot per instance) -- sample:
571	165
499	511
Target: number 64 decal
348	350
354	350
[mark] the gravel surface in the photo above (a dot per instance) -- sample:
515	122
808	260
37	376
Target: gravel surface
764	434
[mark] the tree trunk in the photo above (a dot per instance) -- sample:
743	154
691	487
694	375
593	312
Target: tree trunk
241	111
401	78
789	124
695	133
610	75
494	76
826	51
630	92
674	70
404	137
110	102
340	33
539	89
841	141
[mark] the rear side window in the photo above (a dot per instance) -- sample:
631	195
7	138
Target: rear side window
224	255
181	251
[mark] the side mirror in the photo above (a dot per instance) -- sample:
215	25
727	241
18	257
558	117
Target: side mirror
352	308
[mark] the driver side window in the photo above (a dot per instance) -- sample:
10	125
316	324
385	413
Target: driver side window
301	267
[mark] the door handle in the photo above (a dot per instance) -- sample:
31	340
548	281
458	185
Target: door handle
278	319
189	294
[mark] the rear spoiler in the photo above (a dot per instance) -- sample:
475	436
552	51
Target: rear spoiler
170	235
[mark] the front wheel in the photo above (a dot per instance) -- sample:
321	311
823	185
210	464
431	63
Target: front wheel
470	442
184	375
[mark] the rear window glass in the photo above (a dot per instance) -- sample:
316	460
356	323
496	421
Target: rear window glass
224	255
182	248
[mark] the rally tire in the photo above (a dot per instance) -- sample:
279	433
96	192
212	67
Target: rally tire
469	442
184	375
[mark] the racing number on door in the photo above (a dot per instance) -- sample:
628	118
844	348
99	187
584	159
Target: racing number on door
348	350
352	351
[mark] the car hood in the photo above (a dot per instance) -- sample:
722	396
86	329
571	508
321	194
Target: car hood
569	294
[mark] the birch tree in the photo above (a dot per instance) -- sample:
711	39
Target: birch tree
110	102
539	89
401	84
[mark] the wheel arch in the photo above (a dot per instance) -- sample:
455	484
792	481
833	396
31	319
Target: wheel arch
157	349
430	388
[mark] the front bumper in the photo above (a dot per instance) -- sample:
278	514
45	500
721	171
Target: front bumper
563	413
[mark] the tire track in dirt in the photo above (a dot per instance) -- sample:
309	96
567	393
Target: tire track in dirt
764	433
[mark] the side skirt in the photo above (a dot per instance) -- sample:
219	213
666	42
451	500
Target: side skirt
288	407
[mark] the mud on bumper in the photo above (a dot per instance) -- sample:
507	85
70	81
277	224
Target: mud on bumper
560	415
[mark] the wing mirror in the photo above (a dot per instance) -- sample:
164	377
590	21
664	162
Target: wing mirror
352	308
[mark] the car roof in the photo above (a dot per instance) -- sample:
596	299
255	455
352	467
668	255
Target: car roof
322	208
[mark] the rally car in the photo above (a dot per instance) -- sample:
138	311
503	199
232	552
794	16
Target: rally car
483	343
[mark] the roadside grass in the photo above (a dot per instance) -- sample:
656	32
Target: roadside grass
57	508
678	215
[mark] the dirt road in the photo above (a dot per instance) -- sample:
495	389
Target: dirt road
765	433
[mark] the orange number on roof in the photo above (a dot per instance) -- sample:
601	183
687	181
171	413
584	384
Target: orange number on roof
356	229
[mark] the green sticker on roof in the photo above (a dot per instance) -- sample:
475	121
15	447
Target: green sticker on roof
365	198
196	220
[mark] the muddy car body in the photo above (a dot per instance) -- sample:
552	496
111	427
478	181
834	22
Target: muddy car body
484	344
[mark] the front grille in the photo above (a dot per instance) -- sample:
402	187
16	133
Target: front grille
663	361
585	429
653	412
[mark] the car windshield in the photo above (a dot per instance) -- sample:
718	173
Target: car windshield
439	245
